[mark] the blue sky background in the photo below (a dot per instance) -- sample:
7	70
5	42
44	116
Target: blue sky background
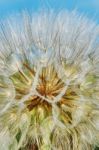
88	7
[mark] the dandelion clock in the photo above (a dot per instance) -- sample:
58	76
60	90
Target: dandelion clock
49	82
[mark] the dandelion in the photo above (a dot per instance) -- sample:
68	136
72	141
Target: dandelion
49	82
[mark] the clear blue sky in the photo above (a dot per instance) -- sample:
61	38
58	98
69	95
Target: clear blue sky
88	7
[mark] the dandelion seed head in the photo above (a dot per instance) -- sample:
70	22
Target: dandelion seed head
49	82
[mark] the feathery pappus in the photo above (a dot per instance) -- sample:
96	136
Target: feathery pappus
49	82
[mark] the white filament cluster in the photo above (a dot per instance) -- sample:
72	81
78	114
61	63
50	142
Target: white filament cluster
69	43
